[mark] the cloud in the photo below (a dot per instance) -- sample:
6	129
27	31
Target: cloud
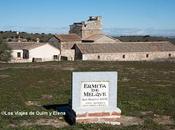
135	31
109	31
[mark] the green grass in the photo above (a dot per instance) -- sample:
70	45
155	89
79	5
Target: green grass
143	86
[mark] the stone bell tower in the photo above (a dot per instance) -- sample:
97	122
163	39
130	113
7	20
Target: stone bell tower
87	28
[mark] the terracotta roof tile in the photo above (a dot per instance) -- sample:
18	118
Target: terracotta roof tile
126	47
24	45
68	37
95	37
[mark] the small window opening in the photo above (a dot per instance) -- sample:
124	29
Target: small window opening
55	57
147	55
18	54
98	57
123	56
169	55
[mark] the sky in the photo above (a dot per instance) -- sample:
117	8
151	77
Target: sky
119	16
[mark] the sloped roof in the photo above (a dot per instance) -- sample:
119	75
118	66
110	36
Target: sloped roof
68	37
24	45
95	37
67	45
126	47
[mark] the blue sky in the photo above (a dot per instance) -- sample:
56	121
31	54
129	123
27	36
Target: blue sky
57	15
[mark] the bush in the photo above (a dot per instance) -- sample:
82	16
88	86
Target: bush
5	52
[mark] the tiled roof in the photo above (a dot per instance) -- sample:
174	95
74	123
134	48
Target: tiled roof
68	37
67	45
24	45
126	47
95	37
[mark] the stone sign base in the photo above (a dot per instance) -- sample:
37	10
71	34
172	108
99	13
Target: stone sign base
99	117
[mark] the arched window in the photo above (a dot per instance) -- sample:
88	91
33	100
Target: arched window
98	57
123	56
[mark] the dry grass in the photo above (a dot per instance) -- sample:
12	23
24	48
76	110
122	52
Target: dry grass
143	87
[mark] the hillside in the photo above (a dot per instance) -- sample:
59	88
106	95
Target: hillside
146	38
12	36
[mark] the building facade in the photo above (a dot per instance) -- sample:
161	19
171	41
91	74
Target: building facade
87	28
33	52
145	51
64	42
86	41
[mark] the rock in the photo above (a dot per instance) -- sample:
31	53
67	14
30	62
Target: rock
32	103
47	96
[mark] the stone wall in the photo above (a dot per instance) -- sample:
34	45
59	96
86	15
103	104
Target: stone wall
76	29
70	54
134	56
86	29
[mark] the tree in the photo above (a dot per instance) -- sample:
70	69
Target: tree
5	52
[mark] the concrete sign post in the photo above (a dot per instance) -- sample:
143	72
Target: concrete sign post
94	97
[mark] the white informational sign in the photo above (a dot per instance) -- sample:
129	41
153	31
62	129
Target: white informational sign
94	94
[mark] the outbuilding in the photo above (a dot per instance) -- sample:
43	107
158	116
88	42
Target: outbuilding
65	42
125	51
33	52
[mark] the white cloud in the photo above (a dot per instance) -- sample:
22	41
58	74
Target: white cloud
109	31
134	31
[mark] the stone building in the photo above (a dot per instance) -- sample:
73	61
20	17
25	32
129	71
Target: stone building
126	51
91	31
64	42
87	28
86	41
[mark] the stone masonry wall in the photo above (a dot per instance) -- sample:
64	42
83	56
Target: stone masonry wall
70	54
88	28
135	56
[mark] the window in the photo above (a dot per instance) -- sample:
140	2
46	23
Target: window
55	57
18	54
147	55
98	57
169	55
64	58
123	56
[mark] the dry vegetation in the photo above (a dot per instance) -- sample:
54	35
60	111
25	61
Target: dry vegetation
145	94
